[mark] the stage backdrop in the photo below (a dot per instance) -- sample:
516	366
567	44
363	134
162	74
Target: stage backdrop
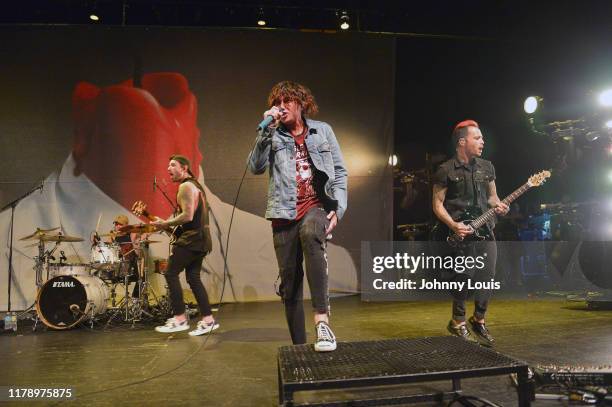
94	112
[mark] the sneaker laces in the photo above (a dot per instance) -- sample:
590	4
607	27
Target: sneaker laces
170	322
324	332
203	324
463	330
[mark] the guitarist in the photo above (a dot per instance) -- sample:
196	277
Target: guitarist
462	184
188	248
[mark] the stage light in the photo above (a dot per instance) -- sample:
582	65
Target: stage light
94	17
531	104
605	98
609	124
393	160
344	20
261	18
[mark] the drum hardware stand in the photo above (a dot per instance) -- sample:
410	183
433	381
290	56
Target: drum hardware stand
124	303
91	318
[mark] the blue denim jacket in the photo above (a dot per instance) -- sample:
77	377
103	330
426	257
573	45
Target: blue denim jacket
274	149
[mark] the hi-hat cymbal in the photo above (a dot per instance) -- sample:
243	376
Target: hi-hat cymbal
61	238
39	233
139	228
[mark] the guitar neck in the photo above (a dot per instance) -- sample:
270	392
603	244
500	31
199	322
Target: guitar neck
148	216
490	214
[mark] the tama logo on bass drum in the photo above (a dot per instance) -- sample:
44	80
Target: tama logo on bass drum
63	284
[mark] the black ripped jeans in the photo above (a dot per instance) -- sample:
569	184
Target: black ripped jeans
295	243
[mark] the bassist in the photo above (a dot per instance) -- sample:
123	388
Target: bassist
464	184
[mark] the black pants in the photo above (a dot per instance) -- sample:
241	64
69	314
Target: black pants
190	261
294	243
481	297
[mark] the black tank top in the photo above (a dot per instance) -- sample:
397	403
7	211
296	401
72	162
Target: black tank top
195	234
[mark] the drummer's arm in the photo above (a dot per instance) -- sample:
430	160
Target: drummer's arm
185	199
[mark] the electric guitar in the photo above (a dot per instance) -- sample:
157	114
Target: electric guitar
139	208
477	221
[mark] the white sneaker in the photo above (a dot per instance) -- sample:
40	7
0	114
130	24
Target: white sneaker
204	328
326	340
173	325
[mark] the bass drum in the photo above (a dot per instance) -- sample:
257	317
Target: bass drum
61	269
64	301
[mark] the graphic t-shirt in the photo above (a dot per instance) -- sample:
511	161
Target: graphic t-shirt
306	195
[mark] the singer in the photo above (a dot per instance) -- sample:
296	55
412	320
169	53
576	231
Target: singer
307	196
191	242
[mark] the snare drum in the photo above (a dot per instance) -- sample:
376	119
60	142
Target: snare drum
65	300
105	256
68	269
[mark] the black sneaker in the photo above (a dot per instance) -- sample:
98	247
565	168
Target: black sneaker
482	332
460	331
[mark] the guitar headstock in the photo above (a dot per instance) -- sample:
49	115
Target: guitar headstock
538	179
139	208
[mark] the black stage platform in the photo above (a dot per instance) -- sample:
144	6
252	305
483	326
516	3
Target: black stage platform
393	361
237	366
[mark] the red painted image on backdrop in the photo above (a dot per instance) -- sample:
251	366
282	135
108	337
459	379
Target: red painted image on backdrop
124	135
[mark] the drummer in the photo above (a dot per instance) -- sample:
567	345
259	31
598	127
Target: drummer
128	245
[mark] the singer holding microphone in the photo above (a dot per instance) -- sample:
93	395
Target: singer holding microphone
307	196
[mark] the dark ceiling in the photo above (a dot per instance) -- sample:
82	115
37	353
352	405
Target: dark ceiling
478	18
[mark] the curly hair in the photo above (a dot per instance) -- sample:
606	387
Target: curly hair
288	90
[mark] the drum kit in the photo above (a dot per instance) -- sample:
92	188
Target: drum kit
70	294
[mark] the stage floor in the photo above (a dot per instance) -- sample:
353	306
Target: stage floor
237	364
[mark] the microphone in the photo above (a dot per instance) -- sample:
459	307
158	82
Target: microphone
265	123
154	182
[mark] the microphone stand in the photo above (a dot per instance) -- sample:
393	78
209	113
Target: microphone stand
165	196
13	205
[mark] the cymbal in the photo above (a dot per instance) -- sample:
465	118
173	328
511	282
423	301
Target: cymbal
113	234
139	228
39	232
61	238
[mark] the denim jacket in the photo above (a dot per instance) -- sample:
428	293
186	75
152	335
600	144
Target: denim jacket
274	149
